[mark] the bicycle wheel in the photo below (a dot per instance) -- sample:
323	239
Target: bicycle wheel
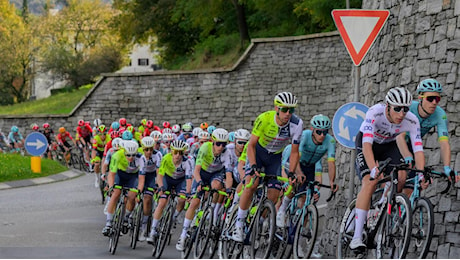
116	228
305	235
204	233
102	184
75	163
346	231
164	228
137	222
263	231
394	233
281	241
189	240
230	248
422	229
216	232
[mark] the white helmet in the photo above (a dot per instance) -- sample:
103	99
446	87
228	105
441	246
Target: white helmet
285	99
196	131
204	135
399	97
220	135
116	143
166	131
130	147
147	142
97	122
179	145
167	136
156	135
242	134
175	128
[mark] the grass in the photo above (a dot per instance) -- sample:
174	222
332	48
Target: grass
61	103
17	167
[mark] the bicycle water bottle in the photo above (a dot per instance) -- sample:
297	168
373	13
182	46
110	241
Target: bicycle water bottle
252	212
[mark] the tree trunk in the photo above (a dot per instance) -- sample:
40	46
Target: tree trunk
242	25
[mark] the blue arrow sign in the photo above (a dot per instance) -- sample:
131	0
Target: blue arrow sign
346	122
36	144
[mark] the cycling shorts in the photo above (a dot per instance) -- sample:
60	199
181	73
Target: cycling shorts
179	185
207	178
127	180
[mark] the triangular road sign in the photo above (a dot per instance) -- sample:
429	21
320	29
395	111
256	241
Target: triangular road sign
359	29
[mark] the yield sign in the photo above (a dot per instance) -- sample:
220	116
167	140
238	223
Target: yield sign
359	29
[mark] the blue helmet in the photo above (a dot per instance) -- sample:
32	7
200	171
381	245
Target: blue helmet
211	129
231	136
14	129
127	135
320	122
429	85
115	126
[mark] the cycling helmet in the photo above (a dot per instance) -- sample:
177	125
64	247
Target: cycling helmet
114	134
204	125
204	135
147	141
122	121
285	99
211	129
115	126
196	131
179	145
167	137
81	122
101	129
62	130
399	97
166	131
46	125
130	128
190	124
220	135
97	122
127	135
175	128
231	136
166	124
186	127
144	122
429	85
130	147
116	143
242	134
156	135
149	124
320	122
35	127
14	129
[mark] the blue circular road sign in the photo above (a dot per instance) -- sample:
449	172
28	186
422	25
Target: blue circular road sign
346	122
36	144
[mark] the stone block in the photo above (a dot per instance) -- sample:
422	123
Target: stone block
455	251
452	217
433	6
443	251
422	67
444	204
452	237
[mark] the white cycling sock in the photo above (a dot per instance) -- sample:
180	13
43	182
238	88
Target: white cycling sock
242	214
284	204
154	223
187	223
145	219
176	213
360	220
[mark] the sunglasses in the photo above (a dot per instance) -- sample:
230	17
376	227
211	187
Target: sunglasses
433	98
174	152
223	144
202	142
398	109
241	142
321	132
130	155
286	109
148	149
166	142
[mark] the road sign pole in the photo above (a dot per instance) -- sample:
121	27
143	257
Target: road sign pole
351	182
36	164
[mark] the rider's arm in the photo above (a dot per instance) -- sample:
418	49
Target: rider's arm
369	155
402	145
445	152
294	157
331	162
251	152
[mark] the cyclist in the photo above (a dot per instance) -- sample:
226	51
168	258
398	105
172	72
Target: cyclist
166	138
142	126
186	132
211	129
272	132
212	162
175	173
202	137
315	143
99	141
236	148
84	134
195	136
116	145
97	122
48	133
125	169
63	142
156	135
204	126
152	160
149	128
3	141
376	140
35	128
15	139
430	114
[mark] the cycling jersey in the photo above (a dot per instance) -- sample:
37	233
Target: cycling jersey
167	167
99	144
153	163
311	153
376	127
119	163
62	138
83	132
14	137
438	119
234	162
212	164
48	134
275	138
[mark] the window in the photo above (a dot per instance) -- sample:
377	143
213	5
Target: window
143	62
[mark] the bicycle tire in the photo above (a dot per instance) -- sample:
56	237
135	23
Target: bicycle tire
230	248
394	243
263	233
280	243
204	233
306	232
346	231
189	241
215	233
102	185
116	228
137	222
422	229
164	230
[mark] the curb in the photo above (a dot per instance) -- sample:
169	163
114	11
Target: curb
70	174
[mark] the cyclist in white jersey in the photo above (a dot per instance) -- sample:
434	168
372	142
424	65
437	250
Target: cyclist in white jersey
377	141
